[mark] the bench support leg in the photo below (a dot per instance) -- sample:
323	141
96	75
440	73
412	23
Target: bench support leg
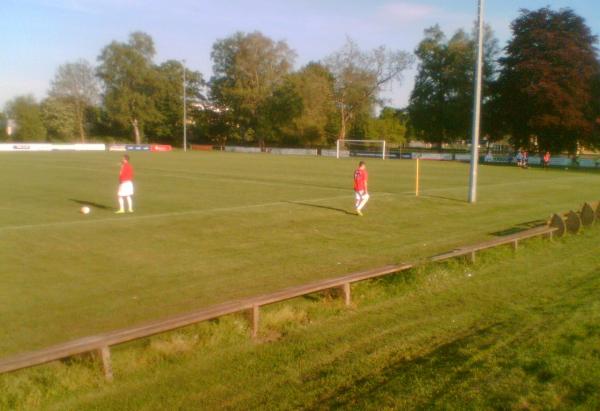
515	245
347	294
104	354
472	256
255	320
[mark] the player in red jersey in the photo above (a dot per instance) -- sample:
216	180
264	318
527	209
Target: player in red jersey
361	190
125	185
546	160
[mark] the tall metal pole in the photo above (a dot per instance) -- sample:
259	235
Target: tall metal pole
476	107
184	110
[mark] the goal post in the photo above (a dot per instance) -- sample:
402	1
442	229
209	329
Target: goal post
361	148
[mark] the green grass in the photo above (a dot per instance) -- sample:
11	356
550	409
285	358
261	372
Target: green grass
513	331
211	227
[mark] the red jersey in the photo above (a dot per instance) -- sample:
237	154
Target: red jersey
360	180
126	173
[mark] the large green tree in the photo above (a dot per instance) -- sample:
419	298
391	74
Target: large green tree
440	103
75	87
27	114
546	84
131	82
3	124
168	128
390	125
316	122
359	78
248	68
59	118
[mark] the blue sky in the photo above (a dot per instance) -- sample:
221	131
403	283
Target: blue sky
39	35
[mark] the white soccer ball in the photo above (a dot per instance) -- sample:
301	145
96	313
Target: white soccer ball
85	210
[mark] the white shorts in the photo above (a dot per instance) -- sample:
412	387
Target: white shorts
360	195
125	189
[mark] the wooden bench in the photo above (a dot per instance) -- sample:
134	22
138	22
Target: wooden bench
512	239
101	343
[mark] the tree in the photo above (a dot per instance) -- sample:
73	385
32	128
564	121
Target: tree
388	126
248	68
360	77
130	82
26	112
75	86
440	103
60	118
316	123
215	124
546	84
168	128
279	112
3	124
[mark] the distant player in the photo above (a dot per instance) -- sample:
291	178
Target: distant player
361	190
519	158
546	161
525	161
125	185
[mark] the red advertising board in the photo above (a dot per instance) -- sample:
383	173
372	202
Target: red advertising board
161	147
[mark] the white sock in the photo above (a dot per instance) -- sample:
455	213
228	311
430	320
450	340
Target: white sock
121	204
130	203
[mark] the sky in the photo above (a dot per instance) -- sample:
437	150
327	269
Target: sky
39	35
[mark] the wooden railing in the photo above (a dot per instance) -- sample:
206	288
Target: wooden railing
101	343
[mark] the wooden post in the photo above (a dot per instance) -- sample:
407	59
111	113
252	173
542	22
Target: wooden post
417	180
104	354
347	295
255	319
515	245
472	256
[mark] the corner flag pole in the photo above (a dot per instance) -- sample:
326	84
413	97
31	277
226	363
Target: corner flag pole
476	107
417	179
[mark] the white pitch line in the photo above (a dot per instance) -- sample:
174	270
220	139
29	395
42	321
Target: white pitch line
173	214
203	176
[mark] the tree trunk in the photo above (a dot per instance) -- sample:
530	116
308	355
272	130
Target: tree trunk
136	131
342	135
80	121
81	130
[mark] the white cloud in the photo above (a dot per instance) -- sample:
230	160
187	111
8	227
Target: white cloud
405	12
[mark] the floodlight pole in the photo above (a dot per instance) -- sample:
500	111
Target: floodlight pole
184	110
476	107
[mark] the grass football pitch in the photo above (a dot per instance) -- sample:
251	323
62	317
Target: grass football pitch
211	227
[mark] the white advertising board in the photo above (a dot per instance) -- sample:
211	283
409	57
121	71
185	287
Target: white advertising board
79	147
25	147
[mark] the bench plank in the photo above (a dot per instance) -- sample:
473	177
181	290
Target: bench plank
103	341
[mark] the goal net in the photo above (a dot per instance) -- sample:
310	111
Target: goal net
361	148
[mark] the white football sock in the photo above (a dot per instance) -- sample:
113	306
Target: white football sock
130	203
121	204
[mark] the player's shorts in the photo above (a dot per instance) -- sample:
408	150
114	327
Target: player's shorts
360	195
125	189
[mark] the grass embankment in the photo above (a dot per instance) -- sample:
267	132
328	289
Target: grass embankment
509	332
211	227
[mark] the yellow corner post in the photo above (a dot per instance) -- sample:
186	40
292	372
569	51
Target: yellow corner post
417	179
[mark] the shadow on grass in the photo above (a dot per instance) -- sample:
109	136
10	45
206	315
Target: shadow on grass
339	210
91	204
438	197
454	360
518	228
